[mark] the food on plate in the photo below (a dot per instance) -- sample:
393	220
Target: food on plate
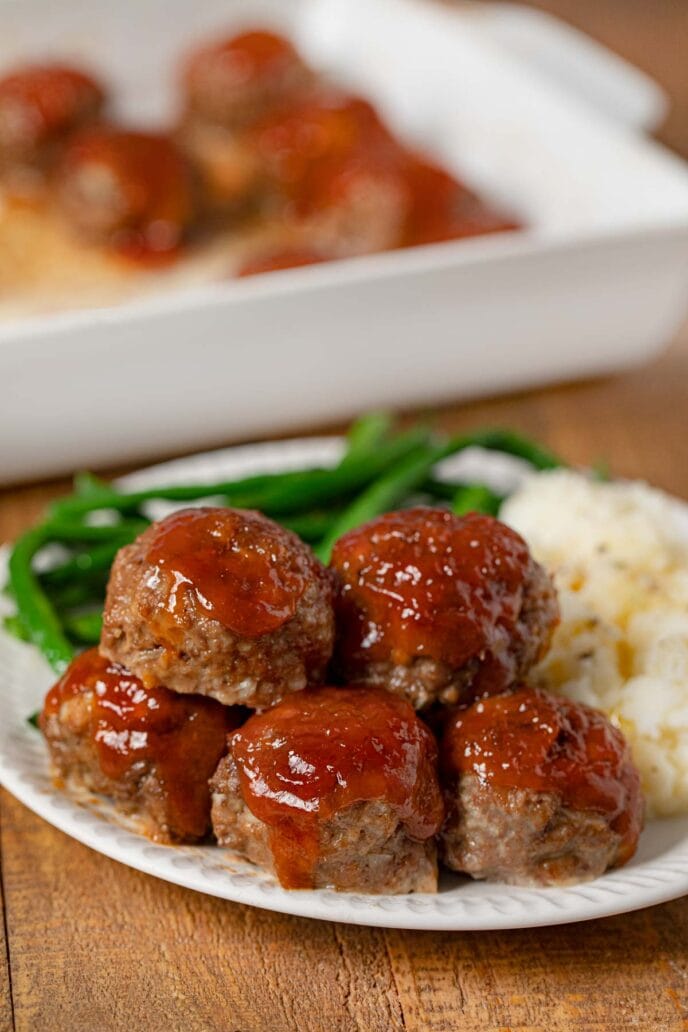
618	555
333	787
236	80
220	602
334	780
331	166
129	191
149	749
539	791
266	156
40	105
435	607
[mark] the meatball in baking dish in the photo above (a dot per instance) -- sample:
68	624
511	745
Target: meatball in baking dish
39	106
151	750
333	787
130	191
220	602
539	790
436	607
234	81
227	86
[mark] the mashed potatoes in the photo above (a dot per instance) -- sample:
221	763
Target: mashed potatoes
619	556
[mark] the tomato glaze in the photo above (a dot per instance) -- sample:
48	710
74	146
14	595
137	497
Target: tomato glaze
148	202
320	751
182	736
244	570
529	739
425	583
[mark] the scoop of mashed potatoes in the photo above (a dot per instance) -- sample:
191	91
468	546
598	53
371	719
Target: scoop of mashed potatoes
619	556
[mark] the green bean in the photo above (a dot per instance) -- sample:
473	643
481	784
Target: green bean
444	490
475	498
86	484
383	494
15	626
68	531
33	719
511	443
280	494
366	434
84	627
34	608
91	561
84	592
312	526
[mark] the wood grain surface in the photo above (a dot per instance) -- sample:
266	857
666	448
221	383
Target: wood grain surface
87	945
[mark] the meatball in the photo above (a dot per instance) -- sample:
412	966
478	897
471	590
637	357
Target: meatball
436	607
235	81
539	790
220	602
356	205
333	787
150	749
293	144
39	106
130	191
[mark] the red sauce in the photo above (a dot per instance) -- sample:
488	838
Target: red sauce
320	751
182	736
244	570
442	208
153	203
423	582
530	739
44	101
274	261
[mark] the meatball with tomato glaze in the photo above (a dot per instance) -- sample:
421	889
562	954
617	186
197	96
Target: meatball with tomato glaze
235	81
227	86
130	191
333	787
39	106
539	790
436	607
221	602
151	750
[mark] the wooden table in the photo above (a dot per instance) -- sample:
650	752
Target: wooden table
90	946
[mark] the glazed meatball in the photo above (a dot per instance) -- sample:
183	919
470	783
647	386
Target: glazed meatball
152	751
235	81
539	790
356	205
220	602
39	106
333	787
130	191
436	607
293	144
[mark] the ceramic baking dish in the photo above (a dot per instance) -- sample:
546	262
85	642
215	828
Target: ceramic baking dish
596	282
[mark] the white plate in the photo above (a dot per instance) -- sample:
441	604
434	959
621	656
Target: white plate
597	281
659	871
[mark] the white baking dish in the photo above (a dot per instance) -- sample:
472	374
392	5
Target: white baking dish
597	281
